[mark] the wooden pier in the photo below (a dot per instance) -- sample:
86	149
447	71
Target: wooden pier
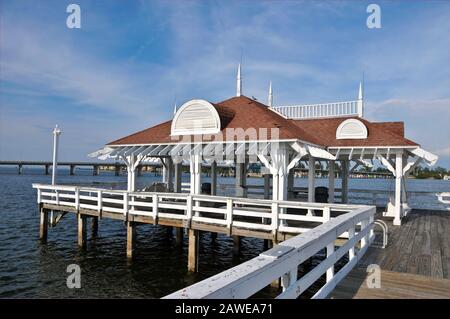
271	220
415	264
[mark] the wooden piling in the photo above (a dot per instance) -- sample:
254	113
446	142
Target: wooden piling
179	236
213	236
82	231
43	226
94	226
193	250
236	244
131	238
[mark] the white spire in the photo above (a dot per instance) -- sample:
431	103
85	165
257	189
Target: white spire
175	109
270	102
360	93
360	103
239	82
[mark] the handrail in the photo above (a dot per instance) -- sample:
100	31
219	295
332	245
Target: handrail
324	110
283	261
271	215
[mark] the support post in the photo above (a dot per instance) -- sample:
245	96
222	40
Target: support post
131	238
20	170
117	170
193	250
267	186
214	178
331	181
47	169
177	177
94	226
290	184
241	178
43	226
195	169
398	188
170	173
95	170
311	179
236	244
82	231
344	184
179	236
72	170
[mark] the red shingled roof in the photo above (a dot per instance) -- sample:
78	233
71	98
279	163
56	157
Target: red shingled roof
378	134
243	112
237	112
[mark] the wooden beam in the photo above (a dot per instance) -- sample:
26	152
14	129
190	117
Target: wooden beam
179	234
43	226
82	231
193	250
131	238
94	226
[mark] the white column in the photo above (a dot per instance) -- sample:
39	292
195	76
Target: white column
170	173
164	170
311	179
178	175
283	174
131	174
195	170
331	181
241	177
344	184
290	184
214	178
398	188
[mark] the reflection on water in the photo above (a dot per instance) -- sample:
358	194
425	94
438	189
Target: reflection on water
31	269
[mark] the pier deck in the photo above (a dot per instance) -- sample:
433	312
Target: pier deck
415	264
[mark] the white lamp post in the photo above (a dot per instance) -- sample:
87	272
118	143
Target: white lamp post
56	133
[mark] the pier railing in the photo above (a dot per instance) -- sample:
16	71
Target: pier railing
308	111
283	262
254	214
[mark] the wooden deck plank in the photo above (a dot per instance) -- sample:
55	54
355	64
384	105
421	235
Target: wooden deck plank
394	285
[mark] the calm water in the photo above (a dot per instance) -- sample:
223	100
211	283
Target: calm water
34	270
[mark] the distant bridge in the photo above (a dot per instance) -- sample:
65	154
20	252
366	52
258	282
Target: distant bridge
96	166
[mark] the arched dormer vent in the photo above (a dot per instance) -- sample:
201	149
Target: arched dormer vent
351	129
196	117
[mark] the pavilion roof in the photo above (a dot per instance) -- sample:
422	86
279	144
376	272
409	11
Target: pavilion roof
243	112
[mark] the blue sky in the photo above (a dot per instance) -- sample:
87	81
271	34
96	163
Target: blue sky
124	69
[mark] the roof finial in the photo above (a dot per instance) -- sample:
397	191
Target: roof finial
239	82
270	103
360	93
360	102
175	108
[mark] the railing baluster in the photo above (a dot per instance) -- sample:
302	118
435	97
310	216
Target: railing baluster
155	208
229	214
330	271
351	252
275	217
77	198
99	201
326	214
189	210
125	203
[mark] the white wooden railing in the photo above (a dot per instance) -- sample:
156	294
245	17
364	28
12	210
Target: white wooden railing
283	262
379	198
349	108
255	214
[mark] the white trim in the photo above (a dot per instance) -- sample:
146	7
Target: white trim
361	132
200	130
